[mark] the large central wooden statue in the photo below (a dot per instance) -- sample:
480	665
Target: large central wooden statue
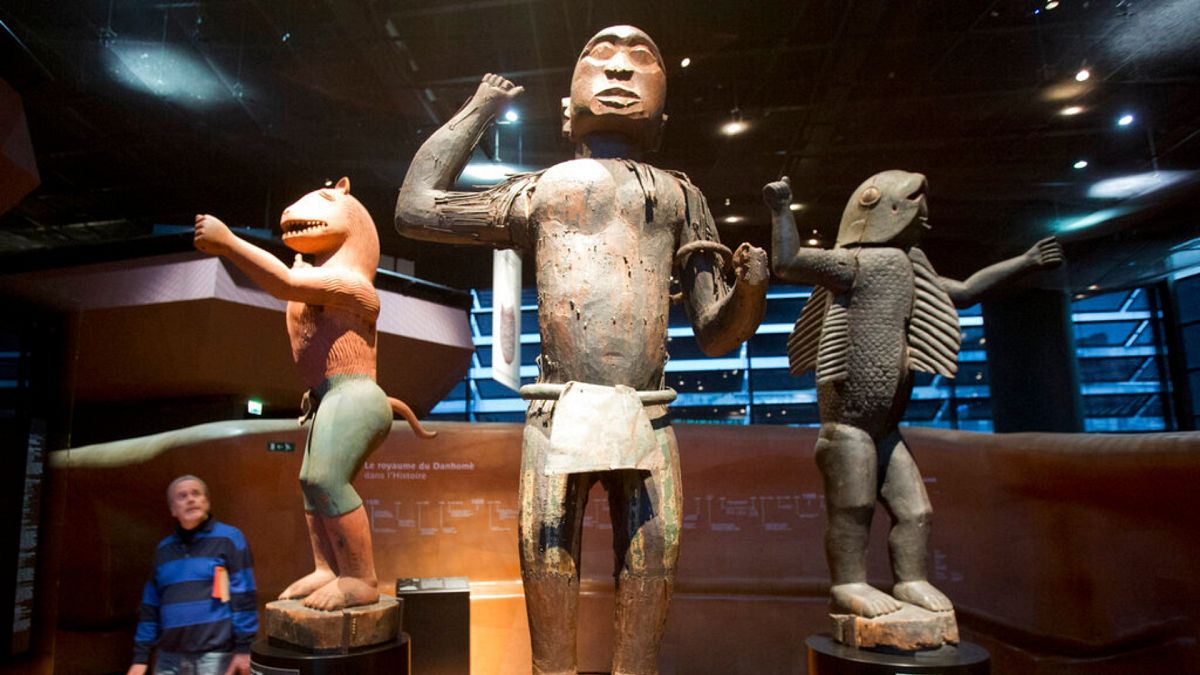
607	232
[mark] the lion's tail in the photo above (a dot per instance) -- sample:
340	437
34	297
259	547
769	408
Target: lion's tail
401	408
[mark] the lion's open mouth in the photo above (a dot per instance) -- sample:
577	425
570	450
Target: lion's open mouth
296	227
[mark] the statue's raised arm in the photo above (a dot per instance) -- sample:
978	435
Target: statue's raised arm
833	269
1046	254
427	209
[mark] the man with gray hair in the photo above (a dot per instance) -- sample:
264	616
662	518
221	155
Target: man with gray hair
198	607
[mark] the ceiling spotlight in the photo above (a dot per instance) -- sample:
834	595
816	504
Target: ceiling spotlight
814	240
1081	164
1094	287
687	61
734	127
1083	75
1052	4
1071	110
1136	185
511	116
1125	120
732	219
795	206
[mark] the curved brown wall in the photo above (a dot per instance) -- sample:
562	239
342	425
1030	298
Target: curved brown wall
1063	553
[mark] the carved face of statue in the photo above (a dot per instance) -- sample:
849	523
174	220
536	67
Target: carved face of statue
619	86
324	220
888	208
189	503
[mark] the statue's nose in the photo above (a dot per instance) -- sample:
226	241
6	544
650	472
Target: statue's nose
619	67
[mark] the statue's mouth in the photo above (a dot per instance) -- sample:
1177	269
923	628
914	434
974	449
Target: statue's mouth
618	97
292	228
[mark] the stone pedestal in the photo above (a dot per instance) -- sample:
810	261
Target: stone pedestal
909	629
826	657
291	624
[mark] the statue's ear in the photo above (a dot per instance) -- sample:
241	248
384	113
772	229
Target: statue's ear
343	184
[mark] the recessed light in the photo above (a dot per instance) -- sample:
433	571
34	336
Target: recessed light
1081	164
687	61
511	116
795	206
1052	4
732	219
1094	287
1071	110
734	127
1125	120
1083	75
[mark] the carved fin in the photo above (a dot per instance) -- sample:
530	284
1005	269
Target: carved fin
934	334
835	345
806	334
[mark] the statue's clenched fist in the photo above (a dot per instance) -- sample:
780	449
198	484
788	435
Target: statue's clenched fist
750	264
211	235
778	194
496	91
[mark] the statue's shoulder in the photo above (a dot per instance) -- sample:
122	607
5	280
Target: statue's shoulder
575	170
680	177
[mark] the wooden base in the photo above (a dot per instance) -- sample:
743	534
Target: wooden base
826	657
909	629
292	624
393	658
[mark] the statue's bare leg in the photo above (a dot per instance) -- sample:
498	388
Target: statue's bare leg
323	560
549	532
352	419
848	461
904	496
356	583
646	525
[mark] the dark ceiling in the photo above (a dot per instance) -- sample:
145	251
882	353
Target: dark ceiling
145	112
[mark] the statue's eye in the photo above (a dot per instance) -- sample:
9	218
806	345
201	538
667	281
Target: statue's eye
328	195
642	56
869	197
602	51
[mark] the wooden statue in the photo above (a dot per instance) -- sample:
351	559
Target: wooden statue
878	313
606	232
331	313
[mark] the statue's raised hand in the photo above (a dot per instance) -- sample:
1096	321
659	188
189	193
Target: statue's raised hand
212	236
1047	253
750	264
778	194
496	91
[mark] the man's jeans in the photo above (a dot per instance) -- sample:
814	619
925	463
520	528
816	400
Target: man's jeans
210	663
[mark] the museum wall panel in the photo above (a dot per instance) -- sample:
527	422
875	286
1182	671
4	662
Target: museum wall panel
1063	553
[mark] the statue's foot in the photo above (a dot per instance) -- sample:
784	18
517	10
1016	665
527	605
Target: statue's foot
922	594
343	592
307	584
862	600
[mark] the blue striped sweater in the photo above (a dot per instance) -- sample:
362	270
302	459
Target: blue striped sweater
178	612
